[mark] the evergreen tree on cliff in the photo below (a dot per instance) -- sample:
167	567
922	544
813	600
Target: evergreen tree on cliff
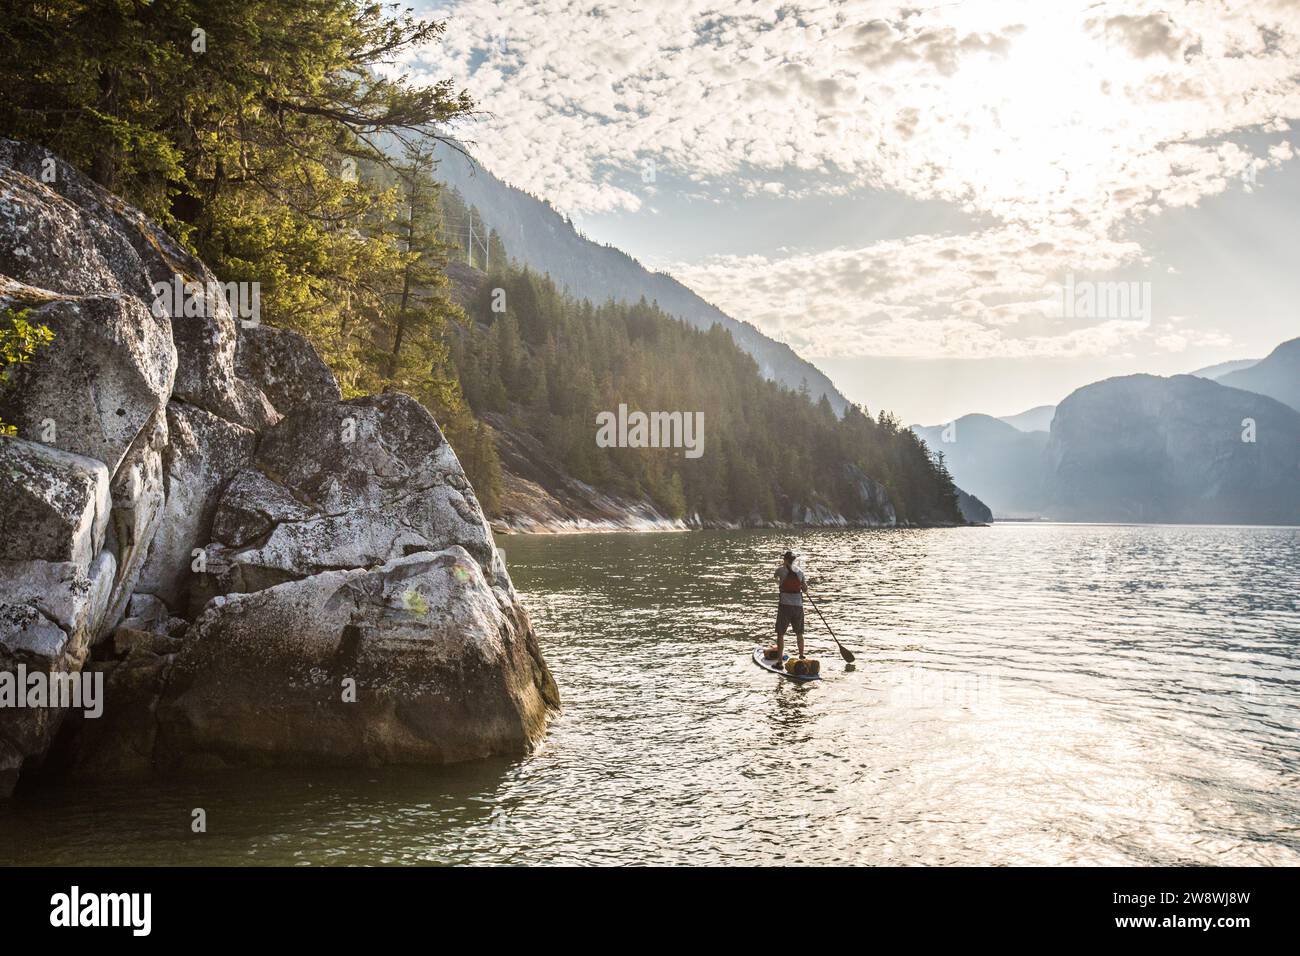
241	125
261	134
549	363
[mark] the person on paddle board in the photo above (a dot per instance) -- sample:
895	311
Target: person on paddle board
789	610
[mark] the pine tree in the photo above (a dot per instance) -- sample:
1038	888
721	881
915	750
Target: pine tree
767	448
243	126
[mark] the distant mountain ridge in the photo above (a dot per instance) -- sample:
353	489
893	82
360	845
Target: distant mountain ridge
1143	448
1039	418
536	235
1277	375
1138	448
1180	449
1036	419
994	460
1223	368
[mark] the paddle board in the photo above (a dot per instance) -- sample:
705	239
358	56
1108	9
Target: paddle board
771	666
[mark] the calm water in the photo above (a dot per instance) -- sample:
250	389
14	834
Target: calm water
1023	694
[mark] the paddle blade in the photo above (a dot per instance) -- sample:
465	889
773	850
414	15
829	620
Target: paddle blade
844	653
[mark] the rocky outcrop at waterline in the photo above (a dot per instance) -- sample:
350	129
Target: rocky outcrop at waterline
254	570
972	509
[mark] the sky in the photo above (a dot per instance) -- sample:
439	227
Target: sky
948	207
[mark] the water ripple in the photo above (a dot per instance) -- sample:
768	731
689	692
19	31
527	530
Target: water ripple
1024	694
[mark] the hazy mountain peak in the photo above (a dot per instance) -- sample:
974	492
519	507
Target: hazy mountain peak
1277	375
1223	368
1148	448
1036	419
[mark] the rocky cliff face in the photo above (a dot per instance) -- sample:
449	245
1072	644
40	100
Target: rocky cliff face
972	509
1143	448
258	571
1180	449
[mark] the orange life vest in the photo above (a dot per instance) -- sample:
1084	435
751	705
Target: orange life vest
790	584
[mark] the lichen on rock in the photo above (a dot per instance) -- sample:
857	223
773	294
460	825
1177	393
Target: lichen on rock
192	512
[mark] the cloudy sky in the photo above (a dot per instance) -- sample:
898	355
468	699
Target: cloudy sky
902	193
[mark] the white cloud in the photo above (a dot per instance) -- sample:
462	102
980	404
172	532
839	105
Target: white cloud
1064	122
995	292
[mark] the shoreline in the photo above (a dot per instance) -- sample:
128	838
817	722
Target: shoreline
603	527
560	531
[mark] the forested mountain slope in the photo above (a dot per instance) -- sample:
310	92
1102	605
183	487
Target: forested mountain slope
536	235
540	366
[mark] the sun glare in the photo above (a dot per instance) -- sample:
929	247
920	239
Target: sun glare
1046	125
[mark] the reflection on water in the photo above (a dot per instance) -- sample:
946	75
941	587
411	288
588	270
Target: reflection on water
1024	693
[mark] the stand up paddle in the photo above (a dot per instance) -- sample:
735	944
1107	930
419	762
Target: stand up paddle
844	652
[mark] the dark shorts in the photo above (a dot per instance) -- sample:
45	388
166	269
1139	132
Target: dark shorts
787	614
